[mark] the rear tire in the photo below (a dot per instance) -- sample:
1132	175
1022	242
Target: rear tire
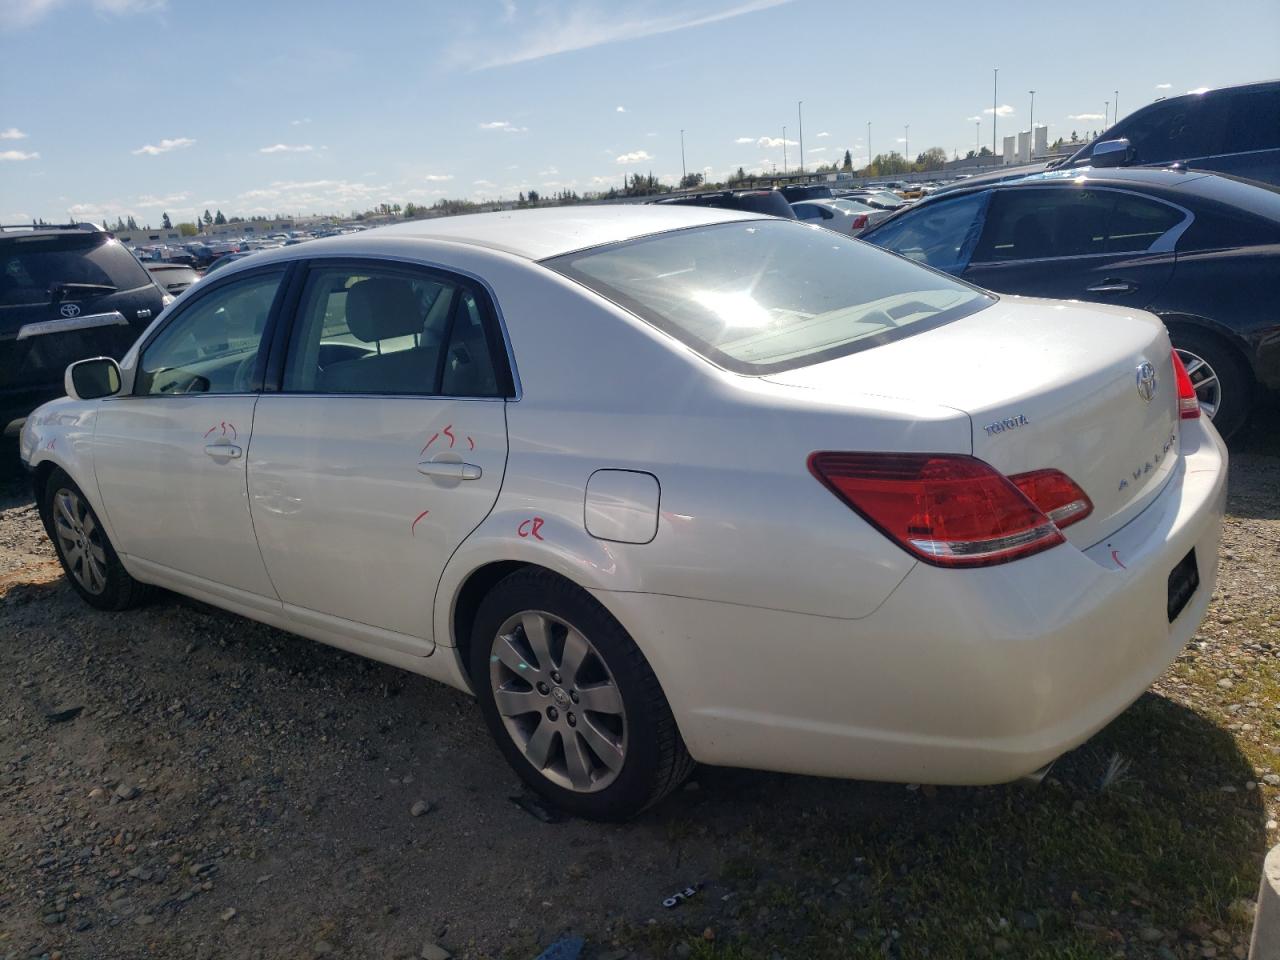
584	723
88	559
1222	380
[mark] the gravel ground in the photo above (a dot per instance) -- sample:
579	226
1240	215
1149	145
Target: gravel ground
179	782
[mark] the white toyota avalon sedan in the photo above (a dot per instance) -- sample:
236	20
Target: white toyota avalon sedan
661	485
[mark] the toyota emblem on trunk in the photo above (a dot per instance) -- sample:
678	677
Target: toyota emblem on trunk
70	310
1146	380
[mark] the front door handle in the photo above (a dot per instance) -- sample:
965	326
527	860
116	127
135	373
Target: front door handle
1113	285
449	470
223	451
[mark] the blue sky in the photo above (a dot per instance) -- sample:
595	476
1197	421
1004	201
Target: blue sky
117	107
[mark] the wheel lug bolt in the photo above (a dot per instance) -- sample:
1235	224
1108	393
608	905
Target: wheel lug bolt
543	688
573	695
573	721
555	677
553	713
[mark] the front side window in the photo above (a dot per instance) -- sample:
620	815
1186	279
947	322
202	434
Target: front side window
761	296
1026	224
212	346
1180	129
366	330
939	234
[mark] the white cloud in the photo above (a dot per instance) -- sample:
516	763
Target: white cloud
1085	116
438	177
973	119
298	123
164	146
586	25
1163	86
901	140
635	156
774	142
824	133
13	133
1004	110
745	140
286	148
15	14
506	126
817	149
619	109
18	155
483	183
549	172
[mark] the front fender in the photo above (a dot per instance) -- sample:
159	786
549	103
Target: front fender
60	434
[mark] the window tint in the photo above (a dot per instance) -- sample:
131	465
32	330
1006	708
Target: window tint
807	211
936	233
212	346
768	295
1180	129
368	331
1253	121
1069	222
31	266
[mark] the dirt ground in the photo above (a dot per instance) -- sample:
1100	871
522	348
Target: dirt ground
180	782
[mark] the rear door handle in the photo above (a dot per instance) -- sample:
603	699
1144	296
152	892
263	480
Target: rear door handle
223	451
449	470
1111	285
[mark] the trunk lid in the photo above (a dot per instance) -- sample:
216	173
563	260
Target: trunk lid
1046	384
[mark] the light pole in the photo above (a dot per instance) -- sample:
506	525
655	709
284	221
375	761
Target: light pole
683	173
977	138
784	151
906	142
1116	104
869	153
1106	112
800	115
1031	153
995	100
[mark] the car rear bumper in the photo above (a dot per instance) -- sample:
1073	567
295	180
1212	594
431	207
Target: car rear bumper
960	676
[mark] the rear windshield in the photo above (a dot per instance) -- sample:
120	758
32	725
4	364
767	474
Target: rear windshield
760	296
32	267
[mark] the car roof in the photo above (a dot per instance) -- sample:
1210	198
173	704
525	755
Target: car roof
552	231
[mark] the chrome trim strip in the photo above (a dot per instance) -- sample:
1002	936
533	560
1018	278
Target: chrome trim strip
64	324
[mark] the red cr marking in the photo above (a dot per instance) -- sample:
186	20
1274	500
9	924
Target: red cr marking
223	424
471	444
530	527
448	432
1115	555
429	443
415	522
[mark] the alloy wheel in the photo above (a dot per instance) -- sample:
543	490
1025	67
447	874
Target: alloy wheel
1205	381
80	538
558	701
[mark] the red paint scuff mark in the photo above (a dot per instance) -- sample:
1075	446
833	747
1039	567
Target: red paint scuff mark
429	443
415	522
448	432
1115	555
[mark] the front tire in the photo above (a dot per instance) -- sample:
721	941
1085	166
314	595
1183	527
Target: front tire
1224	387
571	701
88	559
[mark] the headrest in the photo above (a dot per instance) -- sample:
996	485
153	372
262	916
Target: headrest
383	307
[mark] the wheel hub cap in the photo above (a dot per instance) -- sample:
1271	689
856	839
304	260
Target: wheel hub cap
558	701
80	541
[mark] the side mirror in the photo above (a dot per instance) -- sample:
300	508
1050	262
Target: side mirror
92	379
1111	153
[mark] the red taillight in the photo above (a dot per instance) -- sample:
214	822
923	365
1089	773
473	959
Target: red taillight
1056	494
859	221
946	509
1188	402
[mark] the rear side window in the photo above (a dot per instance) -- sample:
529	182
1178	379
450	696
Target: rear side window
760	296
1253	121
32	269
367	330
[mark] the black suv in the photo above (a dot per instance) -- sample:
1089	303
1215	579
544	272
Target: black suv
66	293
1233	130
